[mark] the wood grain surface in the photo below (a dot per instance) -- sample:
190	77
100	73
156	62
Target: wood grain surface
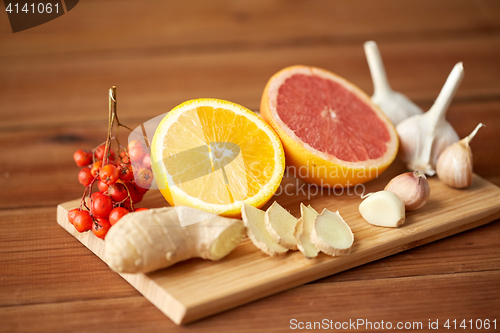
196	289
53	101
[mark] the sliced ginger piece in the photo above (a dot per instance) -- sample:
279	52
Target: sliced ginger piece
331	235
303	231
281	226
253	218
314	210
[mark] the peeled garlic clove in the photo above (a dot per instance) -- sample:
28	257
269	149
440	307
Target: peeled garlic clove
396	106
425	136
412	188
384	209
454	166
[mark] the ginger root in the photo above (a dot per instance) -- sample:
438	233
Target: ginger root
303	231
331	235
257	232
149	240
326	232
281	226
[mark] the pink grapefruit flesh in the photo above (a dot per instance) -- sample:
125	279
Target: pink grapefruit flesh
337	121
328	126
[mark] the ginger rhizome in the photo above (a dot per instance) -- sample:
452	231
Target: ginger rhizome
145	241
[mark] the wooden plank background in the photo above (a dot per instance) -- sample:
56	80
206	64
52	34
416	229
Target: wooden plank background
53	101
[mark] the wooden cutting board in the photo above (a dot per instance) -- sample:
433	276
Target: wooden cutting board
196	288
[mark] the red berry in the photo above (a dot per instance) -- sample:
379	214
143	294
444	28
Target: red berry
116	214
146	161
125	172
82	221
82	157
99	152
117	192
124	157
140	190
137	154
85	177
103	187
134	143
100	227
108	174
131	144
144	178
141	209
112	160
126	205
95	168
134	194
93	195
101	206
71	215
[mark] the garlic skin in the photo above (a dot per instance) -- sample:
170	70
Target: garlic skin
454	166
396	106
424	137
383	209
412	188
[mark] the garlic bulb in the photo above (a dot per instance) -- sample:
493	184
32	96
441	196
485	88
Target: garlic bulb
424	137
396	106
412	188
383	209
454	166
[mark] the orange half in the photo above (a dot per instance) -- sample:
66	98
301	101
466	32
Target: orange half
214	155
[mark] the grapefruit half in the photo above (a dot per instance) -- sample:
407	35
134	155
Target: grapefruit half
332	133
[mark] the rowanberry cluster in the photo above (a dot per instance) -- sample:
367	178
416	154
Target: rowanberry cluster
122	181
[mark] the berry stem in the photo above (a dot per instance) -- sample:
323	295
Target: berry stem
111	120
89	189
114	114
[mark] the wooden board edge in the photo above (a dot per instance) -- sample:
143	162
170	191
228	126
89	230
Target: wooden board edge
196	313
181	314
156	295
160	298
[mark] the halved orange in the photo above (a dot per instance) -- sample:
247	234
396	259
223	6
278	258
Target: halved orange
332	133
213	155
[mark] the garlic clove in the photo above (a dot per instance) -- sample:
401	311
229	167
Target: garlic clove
396	106
384	209
454	166
412	188
424	137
